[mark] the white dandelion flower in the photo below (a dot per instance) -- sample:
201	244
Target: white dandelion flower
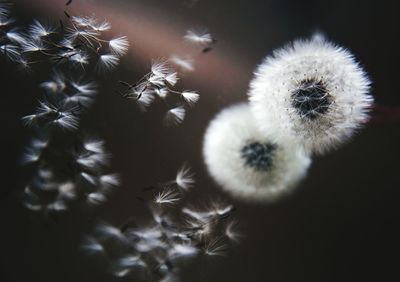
310	91
107	62
190	97
119	45
185	177
246	163
175	116
198	37
185	64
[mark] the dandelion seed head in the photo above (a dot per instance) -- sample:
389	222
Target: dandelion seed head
245	163
314	90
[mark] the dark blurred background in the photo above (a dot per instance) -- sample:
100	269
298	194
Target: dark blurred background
340	225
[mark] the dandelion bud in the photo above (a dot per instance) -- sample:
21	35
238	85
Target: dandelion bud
312	92
246	163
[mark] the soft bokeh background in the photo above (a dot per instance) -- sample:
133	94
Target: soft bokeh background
340	225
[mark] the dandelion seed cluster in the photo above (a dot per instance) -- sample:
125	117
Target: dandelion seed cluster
67	167
155	250
160	83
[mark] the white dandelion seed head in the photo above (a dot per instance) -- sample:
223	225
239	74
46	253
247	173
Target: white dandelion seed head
246	163
119	45
175	116
314	91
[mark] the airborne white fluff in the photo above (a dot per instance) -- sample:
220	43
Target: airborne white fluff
311	91
246	163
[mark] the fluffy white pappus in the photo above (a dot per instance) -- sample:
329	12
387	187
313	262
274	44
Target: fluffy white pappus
107	62
175	116
38	29
91	23
310	91
119	45
190	97
145	100
185	177
167	197
198	37
185	64
15	36
11	51
92	246
245	163
35	149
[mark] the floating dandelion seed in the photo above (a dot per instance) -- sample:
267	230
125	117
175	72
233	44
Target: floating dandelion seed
311	92
119	45
190	97
173	235
175	116
167	197
185	177
198	37
185	64
246	163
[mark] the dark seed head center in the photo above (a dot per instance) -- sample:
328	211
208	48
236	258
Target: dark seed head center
258	155
311	98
